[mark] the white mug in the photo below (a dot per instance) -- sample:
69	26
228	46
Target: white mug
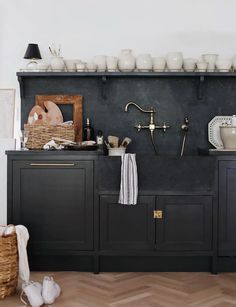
112	63
100	61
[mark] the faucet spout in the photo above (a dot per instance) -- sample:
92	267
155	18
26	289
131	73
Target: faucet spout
138	107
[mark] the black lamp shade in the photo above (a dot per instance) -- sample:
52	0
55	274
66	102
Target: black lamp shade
32	52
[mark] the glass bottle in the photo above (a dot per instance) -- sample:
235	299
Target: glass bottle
88	132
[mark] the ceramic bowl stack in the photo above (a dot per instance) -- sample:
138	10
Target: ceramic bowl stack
127	62
174	61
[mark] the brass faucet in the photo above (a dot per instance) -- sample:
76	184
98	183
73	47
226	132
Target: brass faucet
151	126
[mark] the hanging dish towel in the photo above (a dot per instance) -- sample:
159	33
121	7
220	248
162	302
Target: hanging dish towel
129	180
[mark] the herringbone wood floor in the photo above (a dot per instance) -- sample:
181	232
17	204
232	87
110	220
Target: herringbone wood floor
140	290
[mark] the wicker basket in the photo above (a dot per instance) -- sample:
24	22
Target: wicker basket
8	265
39	135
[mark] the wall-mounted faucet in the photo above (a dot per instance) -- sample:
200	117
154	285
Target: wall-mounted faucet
151	126
184	128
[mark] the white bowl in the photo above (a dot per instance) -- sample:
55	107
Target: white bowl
174	61
224	64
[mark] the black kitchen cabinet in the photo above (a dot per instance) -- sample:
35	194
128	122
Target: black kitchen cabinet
162	223
76	223
186	223
227	208
54	200
125	227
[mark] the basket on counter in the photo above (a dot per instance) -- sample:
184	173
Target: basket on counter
8	264
39	135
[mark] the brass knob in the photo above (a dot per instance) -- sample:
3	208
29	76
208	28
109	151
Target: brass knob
157	214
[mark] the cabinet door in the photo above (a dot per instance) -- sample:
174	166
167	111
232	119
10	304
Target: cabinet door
125	227
54	200
227	208
186	224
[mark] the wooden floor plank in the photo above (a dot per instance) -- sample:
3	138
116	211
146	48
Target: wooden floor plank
81	289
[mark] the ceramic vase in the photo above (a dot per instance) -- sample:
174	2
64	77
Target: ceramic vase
189	64
174	61
100	62
228	137
112	63
57	63
126	62
211	60
144	62
159	64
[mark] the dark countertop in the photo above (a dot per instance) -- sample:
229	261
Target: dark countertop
53	152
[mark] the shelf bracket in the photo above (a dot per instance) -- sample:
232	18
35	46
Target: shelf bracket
201	88
104	87
22	88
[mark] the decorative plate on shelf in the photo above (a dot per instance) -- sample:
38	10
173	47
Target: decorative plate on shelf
214	130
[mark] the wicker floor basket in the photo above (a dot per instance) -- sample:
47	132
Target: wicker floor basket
39	135
8	265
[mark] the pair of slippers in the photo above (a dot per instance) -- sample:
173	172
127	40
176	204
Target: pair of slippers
39	294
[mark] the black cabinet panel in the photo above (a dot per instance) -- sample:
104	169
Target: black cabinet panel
55	201
227	208
186	224
125	227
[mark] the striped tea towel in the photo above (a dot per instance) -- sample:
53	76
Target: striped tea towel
129	180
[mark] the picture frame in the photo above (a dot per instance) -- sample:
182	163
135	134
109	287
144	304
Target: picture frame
77	103
7	113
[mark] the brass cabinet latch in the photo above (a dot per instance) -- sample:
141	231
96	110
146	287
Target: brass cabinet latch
157	214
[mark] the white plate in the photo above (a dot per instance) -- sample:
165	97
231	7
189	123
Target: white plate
214	130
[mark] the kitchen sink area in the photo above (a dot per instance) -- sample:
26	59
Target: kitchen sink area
184	216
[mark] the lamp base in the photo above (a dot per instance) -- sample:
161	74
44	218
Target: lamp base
32	65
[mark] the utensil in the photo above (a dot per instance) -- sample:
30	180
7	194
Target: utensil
63	140
113	141
125	142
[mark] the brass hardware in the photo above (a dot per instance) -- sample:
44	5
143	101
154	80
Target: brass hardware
157	214
151	126
52	164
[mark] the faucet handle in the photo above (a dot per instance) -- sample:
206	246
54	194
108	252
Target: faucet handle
138	127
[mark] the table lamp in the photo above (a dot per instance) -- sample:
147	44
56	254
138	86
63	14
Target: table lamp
32	53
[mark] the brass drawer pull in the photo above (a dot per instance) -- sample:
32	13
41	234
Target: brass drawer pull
52	164
157	214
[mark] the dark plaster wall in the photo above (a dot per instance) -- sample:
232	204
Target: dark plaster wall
173	97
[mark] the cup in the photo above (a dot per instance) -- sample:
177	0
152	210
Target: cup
100	61
159	64
111	63
223	64
80	67
211	60
91	66
70	65
189	64
202	66
174	61
41	66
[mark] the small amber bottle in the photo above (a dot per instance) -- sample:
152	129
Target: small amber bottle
88	132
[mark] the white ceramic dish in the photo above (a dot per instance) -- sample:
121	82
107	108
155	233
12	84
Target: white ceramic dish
116	151
214	130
